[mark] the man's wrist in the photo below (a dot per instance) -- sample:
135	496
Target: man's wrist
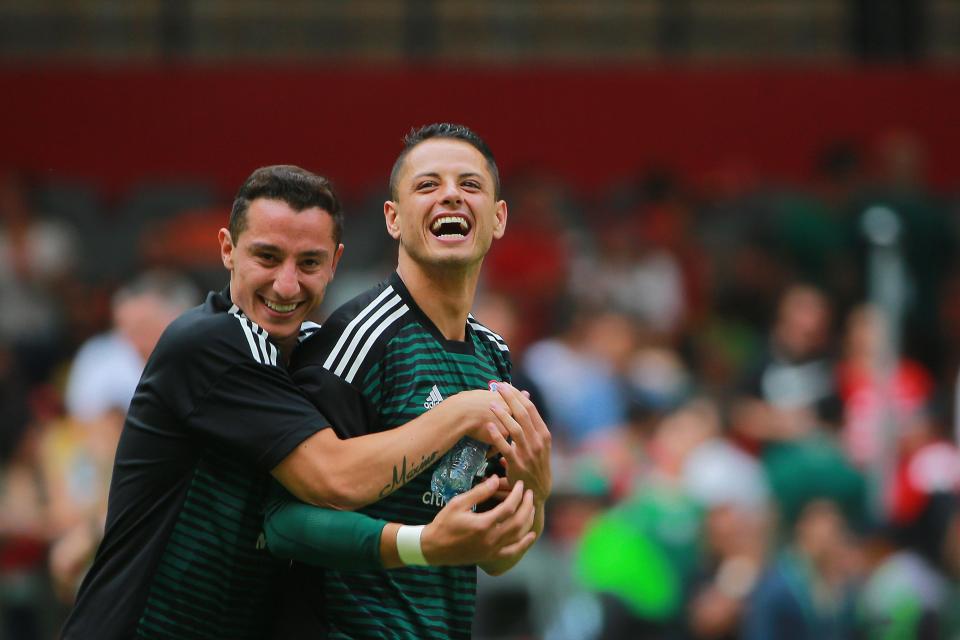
463	418
539	516
409	547
389	559
428	544
448	413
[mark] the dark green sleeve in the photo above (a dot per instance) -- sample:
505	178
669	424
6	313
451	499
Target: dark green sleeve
328	538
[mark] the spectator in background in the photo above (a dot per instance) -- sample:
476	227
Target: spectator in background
531	262
107	367
735	544
731	488
37	255
14	403
927	481
815	229
633	275
871	394
792	391
642	555
928	238
654	382
808	594
34	255
747	276
648	262
912	588
76	454
581	386
24	536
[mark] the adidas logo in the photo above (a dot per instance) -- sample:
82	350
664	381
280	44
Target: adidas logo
433	399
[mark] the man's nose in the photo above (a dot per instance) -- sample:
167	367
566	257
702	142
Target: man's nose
286	283
450	192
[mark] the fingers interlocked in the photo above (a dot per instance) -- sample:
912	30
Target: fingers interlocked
528	452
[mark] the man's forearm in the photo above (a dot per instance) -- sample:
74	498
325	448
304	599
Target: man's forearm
328	471
329	538
324	537
353	541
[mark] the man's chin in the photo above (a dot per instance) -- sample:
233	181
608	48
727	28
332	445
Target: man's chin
447	260
280	329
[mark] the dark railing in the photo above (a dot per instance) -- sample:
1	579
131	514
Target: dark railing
491	31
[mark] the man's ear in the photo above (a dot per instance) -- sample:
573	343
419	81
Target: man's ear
392	217
336	258
501	225
226	248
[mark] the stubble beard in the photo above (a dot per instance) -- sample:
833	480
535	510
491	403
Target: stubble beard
443	264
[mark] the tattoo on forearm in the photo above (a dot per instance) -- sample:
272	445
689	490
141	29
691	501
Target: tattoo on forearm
403	474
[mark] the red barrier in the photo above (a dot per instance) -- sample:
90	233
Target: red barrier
117	126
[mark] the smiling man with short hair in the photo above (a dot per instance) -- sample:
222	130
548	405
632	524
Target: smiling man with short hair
386	357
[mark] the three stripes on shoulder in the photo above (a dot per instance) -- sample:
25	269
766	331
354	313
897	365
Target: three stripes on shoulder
358	336
361	333
263	351
489	335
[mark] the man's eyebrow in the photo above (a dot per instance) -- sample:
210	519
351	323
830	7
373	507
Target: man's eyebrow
266	246
313	253
434	174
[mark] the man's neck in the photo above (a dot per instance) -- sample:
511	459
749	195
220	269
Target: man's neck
285	345
444	294
286	348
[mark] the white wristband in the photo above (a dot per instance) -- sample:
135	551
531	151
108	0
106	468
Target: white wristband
408	545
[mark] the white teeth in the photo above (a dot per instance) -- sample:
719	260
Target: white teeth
280	308
439	222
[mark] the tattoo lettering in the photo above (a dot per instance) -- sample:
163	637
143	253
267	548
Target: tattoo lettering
402	475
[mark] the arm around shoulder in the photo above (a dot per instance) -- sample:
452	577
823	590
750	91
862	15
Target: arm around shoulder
348	473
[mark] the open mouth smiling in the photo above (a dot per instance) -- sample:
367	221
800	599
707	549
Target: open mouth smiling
280	308
451	227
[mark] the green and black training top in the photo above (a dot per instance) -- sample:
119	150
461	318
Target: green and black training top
377	363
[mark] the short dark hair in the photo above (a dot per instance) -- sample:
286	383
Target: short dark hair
298	188
452	132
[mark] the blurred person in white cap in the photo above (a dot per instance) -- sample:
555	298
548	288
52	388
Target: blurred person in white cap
107	367
730	485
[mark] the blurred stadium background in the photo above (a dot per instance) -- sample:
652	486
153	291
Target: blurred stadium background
730	273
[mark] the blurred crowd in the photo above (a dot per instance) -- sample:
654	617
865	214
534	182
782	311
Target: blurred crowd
751	441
